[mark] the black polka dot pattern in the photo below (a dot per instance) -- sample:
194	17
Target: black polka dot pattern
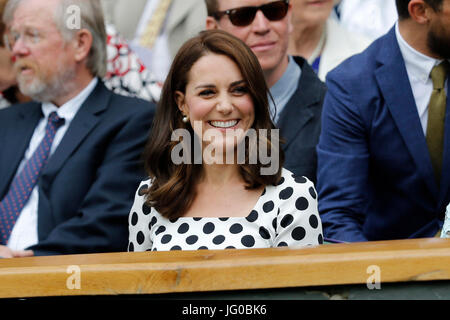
218	240
236	228
252	216
209	228
146	209
301	204
268	206
143	189
285	194
248	241
313	193
183	228
191	240
134	219
285	215
160	229
286	221
264	233
313	222
298	233
140	237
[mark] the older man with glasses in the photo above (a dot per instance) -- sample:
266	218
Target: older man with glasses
296	90
70	160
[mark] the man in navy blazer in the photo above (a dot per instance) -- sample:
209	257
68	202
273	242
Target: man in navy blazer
83	194
376	180
297	91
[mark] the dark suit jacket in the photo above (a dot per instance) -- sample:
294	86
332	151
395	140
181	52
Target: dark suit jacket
300	123
375	177
87	188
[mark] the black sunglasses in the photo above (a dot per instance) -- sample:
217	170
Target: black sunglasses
244	16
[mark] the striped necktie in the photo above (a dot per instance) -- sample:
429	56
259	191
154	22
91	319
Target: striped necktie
24	183
154	25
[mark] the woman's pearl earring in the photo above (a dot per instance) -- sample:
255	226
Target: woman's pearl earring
185	119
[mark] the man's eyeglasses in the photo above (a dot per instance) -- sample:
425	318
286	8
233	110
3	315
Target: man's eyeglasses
29	37
244	16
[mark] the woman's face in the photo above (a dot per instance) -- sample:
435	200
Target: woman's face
217	102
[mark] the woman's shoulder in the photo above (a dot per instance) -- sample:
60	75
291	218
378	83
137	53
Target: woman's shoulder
146	183
292	187
142	189
289	178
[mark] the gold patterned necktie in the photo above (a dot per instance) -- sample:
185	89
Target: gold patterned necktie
436	116
154	25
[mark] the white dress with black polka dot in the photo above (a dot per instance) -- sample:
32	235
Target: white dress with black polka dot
285	215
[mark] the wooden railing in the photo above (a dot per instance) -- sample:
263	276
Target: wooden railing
197	271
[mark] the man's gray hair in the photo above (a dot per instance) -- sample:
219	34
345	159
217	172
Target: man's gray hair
91	18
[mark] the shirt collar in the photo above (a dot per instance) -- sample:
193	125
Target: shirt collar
419	66
71	107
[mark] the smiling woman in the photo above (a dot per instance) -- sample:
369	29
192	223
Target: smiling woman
216	88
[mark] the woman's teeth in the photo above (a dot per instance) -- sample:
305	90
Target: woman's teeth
224	124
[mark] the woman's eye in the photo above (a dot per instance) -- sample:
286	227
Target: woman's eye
206	93
240	90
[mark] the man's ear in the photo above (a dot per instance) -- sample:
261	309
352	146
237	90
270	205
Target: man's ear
83	43
420	11
180	100
211	23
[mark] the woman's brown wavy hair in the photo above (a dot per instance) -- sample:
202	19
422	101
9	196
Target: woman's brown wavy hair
172	189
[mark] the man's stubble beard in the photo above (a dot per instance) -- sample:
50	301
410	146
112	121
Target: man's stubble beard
438	41
61	84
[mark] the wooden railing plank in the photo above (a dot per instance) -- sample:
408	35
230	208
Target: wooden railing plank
191	271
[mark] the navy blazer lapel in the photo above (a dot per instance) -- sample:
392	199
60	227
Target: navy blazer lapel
393	81
85	120
297	113
14	144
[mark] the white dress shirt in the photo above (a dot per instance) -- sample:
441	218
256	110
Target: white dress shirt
157	59
25	232
418	68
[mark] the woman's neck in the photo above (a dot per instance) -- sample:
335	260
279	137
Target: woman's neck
220	174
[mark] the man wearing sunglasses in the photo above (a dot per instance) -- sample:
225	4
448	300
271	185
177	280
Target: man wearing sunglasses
298	94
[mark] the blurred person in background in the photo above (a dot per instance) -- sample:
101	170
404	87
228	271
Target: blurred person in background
156	29
368	18
126	74
10	93
319	38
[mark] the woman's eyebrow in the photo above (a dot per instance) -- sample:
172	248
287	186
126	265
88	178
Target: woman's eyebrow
237	83
205	86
